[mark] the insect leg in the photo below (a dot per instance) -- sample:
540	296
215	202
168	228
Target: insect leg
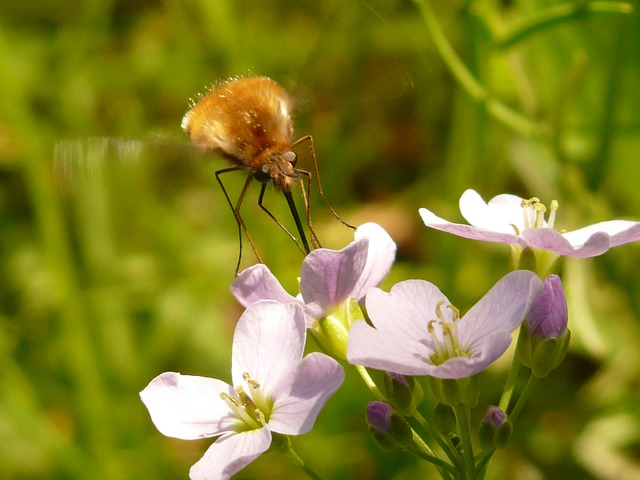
296	218
305	187
236	213
309	138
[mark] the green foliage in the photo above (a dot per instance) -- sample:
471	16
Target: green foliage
117	248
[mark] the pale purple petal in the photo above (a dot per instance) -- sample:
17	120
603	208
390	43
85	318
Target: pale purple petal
407	308
620	231
328	277
258	283
230	454
188	407
502	308
501	214
268	343
548	315
549	239
380	257
468	231
388	350
298	404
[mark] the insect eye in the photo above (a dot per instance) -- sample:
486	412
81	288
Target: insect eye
290	157
262	174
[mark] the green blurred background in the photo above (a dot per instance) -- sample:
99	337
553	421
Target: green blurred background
118	248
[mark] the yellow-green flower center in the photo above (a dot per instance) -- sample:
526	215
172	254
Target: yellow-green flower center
449	345
251	406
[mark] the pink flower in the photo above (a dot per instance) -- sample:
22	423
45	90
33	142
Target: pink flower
416	330
274	390
328	277
510	219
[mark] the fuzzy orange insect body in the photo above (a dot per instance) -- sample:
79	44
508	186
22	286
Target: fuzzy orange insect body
248	121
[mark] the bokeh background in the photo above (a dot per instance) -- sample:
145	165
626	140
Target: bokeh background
117	248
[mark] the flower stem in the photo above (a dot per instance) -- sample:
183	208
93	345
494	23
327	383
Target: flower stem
446	446
371	385
298	462
510	384
471	85
464	426
524	396
555	15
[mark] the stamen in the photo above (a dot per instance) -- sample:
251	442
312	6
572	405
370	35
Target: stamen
244	406
448	345
539	210
533	214
553	206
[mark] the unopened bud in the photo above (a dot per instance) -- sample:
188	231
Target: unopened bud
403	392
495	429
455	391
544	338
388	427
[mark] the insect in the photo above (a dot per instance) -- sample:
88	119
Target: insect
248	121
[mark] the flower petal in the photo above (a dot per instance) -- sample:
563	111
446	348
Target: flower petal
387	350
500	214
502	308
258	283
380	258
317	378
329	277
188	407
620	231
467	231
556	242
493	347
407	308
268	343
230	454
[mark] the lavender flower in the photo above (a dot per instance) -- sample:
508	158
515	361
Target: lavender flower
416	330
274	390
328	277
510	219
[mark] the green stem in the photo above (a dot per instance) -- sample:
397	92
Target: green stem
524	396
555	15
464	426
445	469
510	384
298	462
371	385
445	445
470	84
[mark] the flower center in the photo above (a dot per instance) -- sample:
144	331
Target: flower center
533	212
252	407
449	345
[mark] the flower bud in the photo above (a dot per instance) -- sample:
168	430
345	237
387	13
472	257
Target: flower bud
495	429
455	391
403	392
388	427
544	338
332	331
444	419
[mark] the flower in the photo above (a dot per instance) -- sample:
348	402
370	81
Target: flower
416	331
512	220
274	390
328	277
